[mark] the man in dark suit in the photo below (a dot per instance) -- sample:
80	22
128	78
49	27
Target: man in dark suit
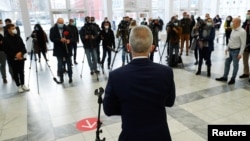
140	89
61	37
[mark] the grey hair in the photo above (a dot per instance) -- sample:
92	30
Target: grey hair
140	39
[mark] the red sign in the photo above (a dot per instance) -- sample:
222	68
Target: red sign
87	124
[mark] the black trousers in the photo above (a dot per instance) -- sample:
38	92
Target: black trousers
106	51
18	71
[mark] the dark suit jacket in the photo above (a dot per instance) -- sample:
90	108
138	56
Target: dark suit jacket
139	93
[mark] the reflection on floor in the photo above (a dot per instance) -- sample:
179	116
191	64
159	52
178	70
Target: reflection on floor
49	112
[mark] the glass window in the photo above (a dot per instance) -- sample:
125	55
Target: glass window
57	4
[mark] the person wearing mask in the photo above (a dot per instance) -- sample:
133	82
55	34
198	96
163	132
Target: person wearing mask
217	23
105	21
151	89
74	31
108	43
88	36
2	54
228	28
206	45
40	41
15	51
8	21
185	23
122	33
96	27
174	32
246	53
61	37
235	49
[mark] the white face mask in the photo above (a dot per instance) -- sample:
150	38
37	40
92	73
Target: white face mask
14	31
209	24
1	25
106	27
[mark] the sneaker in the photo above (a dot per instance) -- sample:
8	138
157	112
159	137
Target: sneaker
221	79
25	88
92	72
196	63
75	63
20	89
70	80
97	71
232	81
244	76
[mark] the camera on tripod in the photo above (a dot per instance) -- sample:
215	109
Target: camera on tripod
123	25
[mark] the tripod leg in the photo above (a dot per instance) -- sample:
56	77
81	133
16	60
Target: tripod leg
82	63
31	55
37	82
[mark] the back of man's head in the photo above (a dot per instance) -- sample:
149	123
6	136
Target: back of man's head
140	39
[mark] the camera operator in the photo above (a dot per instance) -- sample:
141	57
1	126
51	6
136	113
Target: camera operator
154	26
205	44
123	32
39	41
174	32
88	35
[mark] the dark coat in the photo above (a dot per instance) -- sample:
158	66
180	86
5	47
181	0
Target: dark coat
60	49
139	92
89	30
108	39
12	45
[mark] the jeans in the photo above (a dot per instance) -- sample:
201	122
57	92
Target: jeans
175	48
106	50
92	58
233	56
3	64
18	71
60	66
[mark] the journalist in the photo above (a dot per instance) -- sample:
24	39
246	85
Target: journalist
174	33
149	90
88	36
61	37
15	51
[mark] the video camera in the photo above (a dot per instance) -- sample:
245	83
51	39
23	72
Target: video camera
123	25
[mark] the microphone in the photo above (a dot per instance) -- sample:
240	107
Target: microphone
65	34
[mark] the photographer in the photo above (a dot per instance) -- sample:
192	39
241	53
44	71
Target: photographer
39	41
88	35
154	26
174	32
123	33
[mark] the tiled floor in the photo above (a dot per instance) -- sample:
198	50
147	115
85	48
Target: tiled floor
51	112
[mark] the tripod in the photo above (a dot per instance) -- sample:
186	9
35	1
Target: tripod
119	48
166	44
99	92
34	40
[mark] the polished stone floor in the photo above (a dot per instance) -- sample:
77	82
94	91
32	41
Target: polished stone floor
50	111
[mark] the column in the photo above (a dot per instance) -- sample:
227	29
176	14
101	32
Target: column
25	17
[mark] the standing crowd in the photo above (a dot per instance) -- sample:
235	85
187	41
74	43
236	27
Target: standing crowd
183	35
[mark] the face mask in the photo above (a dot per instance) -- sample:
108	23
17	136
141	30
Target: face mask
60	26
106	27
36	28
209	23
14	31
1	25
73	23
228	19
176	24
231	24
